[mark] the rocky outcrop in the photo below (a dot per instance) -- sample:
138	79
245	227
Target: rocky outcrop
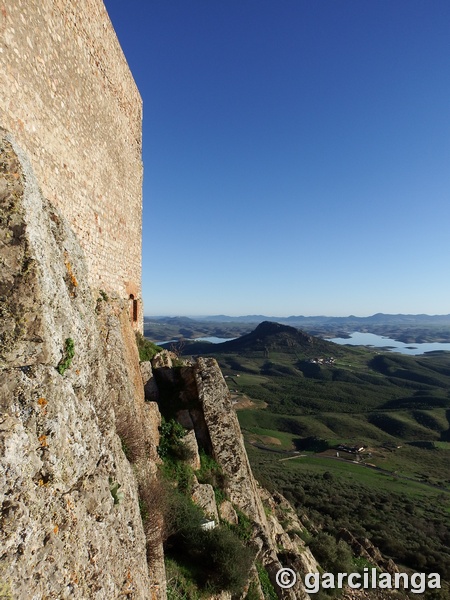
150	387
364	548
191	450
228	513
226	439
285	527
70	382
199	397
203	496
241	487
79	428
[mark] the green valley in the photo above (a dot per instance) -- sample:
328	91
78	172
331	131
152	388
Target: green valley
356	439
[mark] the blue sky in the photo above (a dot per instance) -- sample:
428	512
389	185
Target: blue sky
296	154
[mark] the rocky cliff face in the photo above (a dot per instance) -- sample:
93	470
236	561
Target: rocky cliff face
79	512
70	382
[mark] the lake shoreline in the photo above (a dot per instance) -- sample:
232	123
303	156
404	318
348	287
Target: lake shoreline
382	343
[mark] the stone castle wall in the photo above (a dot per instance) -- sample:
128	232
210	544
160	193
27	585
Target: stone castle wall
69	98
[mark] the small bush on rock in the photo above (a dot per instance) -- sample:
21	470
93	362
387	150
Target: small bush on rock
215	559
224	560
333	556
69	353
170	442
147	350
266	585
210	472
130	430
155	508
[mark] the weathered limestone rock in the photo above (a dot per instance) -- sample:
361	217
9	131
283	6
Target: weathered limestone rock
373	595
190	443
226	439
71	524
227	513
203	496
284	524
152	423
199	397
163	359
228	449
364	548
150	387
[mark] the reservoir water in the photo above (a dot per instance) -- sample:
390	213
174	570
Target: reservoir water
358	338
210	338
213	339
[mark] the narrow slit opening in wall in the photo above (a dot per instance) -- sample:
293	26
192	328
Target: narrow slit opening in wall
133	308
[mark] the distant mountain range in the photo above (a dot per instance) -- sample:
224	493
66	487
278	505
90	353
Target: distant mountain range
378	318
405	328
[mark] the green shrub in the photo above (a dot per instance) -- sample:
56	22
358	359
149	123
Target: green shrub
302	534
218	559
252	592
174	453
361	563
214	559
170	442
210	472
180	585
334	557
69	353
266	585
219	495
147	349
180	473
208	560
244	528
226	560
182	518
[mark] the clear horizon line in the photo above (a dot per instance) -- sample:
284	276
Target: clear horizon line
291	316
